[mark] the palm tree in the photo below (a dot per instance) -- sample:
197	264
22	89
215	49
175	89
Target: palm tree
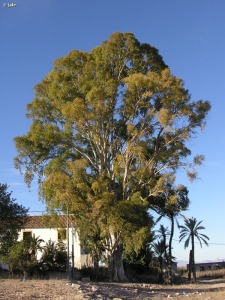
160	252
190	231
33	245
171	204
163	232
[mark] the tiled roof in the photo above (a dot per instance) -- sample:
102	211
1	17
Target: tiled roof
58	221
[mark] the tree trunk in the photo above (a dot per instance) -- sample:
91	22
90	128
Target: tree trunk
24	275
116	269
96	266
193	259
170	270
190	266
161	277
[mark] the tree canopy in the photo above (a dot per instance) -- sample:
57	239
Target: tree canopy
12	218
109	129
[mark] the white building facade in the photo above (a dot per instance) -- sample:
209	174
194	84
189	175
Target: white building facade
56	229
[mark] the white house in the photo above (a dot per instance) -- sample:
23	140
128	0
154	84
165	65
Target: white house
55	229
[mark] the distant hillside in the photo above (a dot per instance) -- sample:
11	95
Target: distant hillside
183	263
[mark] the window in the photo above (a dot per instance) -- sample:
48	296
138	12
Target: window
27	235
217	267
84	250
61	234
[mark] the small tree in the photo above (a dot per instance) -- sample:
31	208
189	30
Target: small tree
163	232
12	219
190	231
22	255
160	252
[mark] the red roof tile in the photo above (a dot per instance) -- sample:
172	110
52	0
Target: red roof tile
57	221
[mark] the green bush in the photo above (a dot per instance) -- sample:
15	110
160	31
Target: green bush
54	257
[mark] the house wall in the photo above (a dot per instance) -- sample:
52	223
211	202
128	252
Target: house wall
211	266
86	260
208	266
47	234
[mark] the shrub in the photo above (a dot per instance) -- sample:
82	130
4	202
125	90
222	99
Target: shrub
54	257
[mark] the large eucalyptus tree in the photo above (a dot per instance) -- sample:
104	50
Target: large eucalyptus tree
108	128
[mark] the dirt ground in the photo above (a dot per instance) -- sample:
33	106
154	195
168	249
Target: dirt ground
61	290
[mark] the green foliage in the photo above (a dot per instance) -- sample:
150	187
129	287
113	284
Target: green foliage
133	220
90	272
160	250
109	128
190	230
139	261
170	203
160	253
54	257
162	234
22	255
19	258
12	219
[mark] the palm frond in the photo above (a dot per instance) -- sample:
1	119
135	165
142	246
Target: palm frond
186	244
190	229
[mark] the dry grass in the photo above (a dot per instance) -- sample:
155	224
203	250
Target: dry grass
220	273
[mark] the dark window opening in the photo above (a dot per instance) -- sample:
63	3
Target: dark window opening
27	235
62	235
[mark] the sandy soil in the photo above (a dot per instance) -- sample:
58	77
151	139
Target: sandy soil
59	289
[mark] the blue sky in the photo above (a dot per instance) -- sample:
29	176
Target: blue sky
189	35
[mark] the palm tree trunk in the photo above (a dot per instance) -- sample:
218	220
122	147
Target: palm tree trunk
161	279
190	266
170	271
193	258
